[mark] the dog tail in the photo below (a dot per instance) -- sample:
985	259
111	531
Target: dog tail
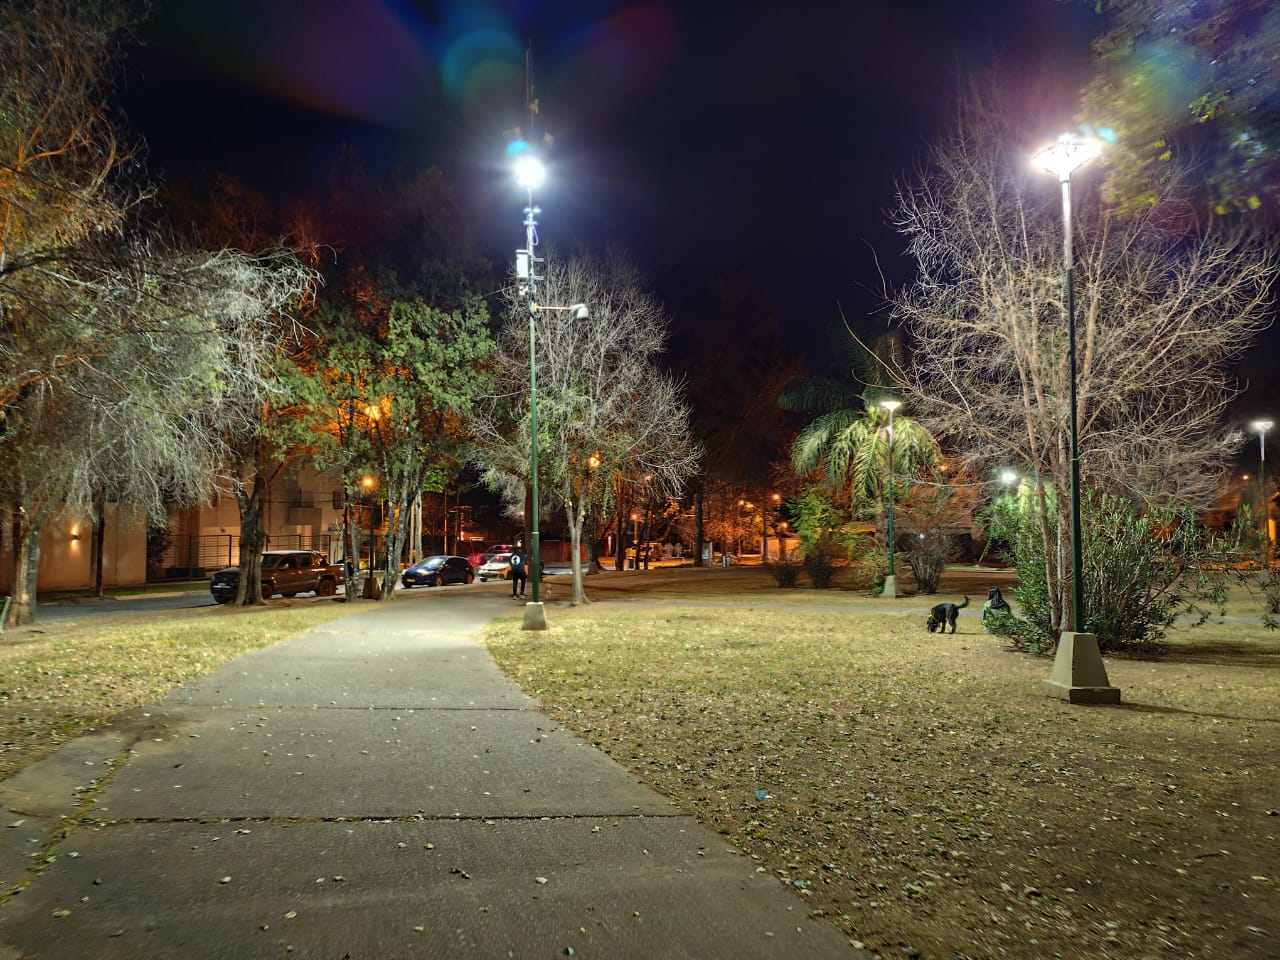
965	604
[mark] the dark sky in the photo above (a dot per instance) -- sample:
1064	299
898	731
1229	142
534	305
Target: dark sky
767	135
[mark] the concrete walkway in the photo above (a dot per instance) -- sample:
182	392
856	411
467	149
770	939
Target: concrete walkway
372	789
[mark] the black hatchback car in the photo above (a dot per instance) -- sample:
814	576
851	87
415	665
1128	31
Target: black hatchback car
437	571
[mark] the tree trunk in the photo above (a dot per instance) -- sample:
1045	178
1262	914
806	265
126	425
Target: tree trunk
1052	564
350	546
99	543
576	515
697	528
352	584
397	528
26	566
404	484
249	589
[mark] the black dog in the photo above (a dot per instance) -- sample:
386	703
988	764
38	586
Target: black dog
943	614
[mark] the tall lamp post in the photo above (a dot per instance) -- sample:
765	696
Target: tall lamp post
530	174
1262	426
1063	158
1078	674
891	581
770	503
366	486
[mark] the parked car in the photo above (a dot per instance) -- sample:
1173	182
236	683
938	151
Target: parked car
286	572
489	552
437	571
652	551
497	567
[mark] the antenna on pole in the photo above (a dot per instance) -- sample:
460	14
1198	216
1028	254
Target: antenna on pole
530	107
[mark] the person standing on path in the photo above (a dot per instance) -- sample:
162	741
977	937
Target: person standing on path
519	573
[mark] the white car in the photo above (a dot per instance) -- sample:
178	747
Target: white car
497	567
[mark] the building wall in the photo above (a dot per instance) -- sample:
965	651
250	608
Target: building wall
298	513
66	551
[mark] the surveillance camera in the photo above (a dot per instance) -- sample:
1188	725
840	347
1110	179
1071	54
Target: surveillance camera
580	311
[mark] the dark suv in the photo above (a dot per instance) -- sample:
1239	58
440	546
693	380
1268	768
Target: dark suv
286	572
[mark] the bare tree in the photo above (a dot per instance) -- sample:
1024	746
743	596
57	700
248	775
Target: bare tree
153	417
604	407
62	184
1164	304
130	365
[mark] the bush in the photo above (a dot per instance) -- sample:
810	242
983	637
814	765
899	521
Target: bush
930	553
786	572
820	561
1258	574
869	563
1141	571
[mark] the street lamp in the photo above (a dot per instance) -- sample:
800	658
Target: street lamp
1063	158
1262	426
891	581
366	487
530	175
1078	675
775	498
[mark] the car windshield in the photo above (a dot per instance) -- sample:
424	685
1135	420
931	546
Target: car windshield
500	558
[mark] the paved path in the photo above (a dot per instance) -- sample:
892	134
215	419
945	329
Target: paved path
374	788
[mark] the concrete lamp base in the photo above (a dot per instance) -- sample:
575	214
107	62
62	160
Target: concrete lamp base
1078	674
535	617
890	587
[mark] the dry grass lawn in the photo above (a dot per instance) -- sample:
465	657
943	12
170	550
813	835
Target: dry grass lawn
921	791
62	680
918	790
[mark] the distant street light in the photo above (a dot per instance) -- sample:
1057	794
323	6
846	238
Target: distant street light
771	503
1008	478
891	581
1078	675
1262	426
530	174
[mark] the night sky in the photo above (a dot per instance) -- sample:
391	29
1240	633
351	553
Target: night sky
766	135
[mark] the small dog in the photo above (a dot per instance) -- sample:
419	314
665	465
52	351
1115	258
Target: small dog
943	614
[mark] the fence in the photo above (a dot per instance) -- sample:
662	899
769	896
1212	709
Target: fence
195	556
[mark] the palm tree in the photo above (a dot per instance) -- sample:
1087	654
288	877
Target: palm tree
849	438
852	447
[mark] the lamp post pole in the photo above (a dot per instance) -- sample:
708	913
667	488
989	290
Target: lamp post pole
1078	675
891	581
1063	158
530	174
1262	426
366	485
1069	283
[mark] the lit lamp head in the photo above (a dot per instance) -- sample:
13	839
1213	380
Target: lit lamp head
891	405
1008	478
530	173
578	311
1262	426
1067	154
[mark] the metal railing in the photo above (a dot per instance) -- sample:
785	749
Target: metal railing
199	555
